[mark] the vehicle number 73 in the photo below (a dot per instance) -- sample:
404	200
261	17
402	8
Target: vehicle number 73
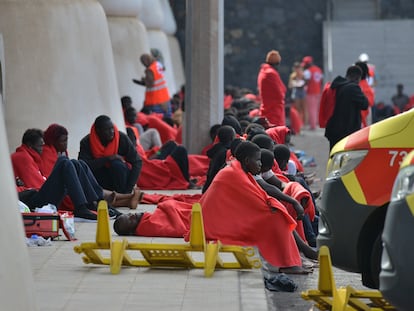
397	156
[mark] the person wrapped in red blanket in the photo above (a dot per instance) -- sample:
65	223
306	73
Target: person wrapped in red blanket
56	142
272	90
65	178
283	135
159	170
236	210
168	168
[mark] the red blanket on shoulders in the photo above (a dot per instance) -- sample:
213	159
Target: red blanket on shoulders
237	211
272	91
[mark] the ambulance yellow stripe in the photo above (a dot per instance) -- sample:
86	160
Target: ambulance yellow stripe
391	133
340	146
354	188
408	160
410	201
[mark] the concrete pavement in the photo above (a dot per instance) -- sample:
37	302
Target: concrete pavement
64	282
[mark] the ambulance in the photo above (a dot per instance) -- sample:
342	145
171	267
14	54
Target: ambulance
397	269
356	194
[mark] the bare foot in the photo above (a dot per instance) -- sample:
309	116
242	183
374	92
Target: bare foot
136	198
310	253
296	270
309	263
110	198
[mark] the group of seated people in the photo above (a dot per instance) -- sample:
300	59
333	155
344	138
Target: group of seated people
247	200
253	192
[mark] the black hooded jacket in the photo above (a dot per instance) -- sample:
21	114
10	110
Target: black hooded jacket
346	118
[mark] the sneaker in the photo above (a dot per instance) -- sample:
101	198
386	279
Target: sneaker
113	213
85	215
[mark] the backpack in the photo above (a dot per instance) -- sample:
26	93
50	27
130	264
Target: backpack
327	104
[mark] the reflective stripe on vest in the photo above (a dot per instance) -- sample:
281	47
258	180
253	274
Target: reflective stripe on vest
158	93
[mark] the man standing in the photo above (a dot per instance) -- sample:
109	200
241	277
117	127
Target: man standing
272	90
111	156
157	97
349	101
313	76
400	100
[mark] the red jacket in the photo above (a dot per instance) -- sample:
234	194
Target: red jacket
314	84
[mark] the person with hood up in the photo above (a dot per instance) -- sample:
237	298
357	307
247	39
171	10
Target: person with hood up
349	101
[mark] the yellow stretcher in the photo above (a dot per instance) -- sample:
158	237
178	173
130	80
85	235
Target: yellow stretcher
328	297
164	255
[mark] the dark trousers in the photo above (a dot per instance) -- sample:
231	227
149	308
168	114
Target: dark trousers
160	109
178	153
68	177
113	176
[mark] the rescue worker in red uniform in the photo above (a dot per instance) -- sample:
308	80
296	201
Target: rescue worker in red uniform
313	76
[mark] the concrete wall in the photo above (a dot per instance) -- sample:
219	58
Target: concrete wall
295	28
390	52
135	27
59	67
160	23
129	40
17	291
254	27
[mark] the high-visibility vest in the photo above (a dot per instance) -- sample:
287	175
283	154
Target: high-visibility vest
158	92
